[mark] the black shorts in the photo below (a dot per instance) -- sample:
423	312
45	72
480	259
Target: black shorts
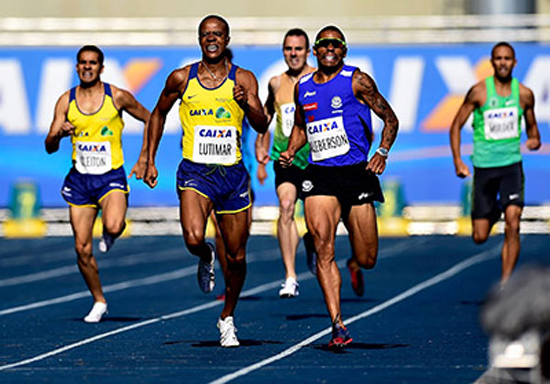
350	184
292	174
506	182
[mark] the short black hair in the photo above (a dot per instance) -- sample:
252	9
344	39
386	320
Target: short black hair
503	44
91	48
297	32
217	17
330	28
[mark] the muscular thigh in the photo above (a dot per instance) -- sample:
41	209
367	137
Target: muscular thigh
363	230
82	223
194	210
114	206
235	231
322	214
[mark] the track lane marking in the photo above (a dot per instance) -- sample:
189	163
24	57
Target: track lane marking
254	256
457	268
259	289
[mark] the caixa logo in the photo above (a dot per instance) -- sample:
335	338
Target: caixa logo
500	114
215	133
322	126
92	148
201	112
289	109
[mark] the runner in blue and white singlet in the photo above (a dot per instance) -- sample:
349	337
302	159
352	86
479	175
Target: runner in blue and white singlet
339	128
333	108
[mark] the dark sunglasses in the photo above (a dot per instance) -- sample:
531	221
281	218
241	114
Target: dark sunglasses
324	42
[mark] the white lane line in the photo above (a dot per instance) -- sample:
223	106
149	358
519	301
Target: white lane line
142	258
261	288
32	277
136	259
145	258
163	277
198	308
483	256
254	256
52	255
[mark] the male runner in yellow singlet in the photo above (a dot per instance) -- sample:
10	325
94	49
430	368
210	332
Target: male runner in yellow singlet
91	114
215	96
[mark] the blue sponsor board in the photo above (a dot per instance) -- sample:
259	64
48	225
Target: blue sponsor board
424	84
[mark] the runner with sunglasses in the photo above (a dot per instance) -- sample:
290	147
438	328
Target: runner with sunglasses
333	115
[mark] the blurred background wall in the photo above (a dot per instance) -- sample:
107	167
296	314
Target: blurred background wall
424	56
281	8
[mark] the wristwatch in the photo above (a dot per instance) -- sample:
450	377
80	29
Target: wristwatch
382	152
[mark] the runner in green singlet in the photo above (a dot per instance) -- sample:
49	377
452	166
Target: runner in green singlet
288	181
498	102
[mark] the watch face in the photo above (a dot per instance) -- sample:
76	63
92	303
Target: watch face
382	151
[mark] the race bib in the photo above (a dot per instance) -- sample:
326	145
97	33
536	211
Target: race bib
93	158
287	117
215	145
327	138
501	123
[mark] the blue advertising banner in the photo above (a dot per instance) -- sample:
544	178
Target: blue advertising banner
424	84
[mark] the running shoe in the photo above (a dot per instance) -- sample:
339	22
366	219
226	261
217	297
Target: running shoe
310	253
205	272
228	333
289	288
357	282
340	337
106	242
96	313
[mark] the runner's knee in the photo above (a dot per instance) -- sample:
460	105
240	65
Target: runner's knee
114	227
479	237
236	259
83	252
368	260
512	225
193	238
286	209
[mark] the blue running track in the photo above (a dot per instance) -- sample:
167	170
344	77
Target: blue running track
417	323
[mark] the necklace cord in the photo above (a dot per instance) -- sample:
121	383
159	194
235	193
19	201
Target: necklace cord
212	73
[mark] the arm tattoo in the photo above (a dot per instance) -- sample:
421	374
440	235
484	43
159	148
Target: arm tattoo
368	92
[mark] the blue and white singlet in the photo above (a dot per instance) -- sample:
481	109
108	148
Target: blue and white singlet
338	126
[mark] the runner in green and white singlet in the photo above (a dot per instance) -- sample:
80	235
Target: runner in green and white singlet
498	102
288	181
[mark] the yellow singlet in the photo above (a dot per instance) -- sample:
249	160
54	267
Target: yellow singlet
211	121
97	139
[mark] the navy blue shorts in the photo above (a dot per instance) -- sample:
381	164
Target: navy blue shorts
507	182
82	190
228	187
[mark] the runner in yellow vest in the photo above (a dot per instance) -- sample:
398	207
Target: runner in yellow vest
91	114
215	96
